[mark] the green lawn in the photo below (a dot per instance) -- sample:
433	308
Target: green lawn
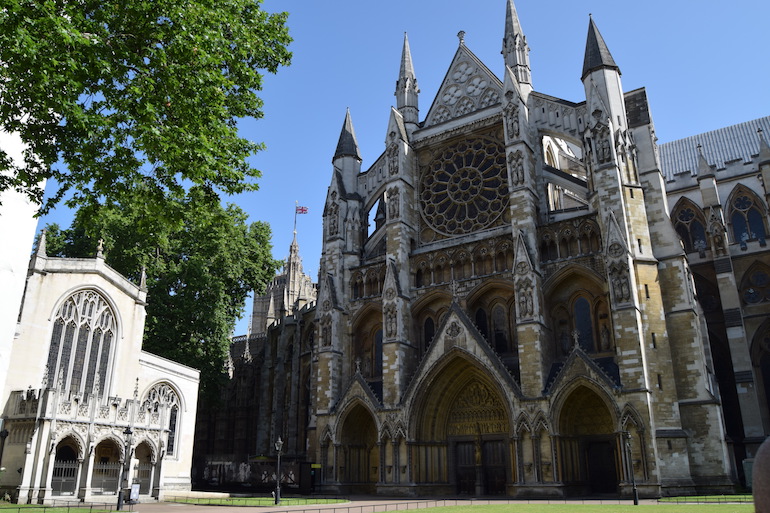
599	508
710	498
626	507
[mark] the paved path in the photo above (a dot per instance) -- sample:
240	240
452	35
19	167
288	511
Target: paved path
362	505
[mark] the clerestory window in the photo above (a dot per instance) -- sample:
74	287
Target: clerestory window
747	219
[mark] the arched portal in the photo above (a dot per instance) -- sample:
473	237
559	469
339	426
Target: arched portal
589	443
462	429
107	465
359	462
65	468
143	470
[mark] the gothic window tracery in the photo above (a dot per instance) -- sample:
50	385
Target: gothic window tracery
465	188
690	223
81	343
164	395
755	287
747	217
582	319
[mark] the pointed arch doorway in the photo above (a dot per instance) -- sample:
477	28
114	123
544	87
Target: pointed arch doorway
462	432
589	442
359	461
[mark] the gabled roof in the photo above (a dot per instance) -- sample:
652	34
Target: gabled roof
468	86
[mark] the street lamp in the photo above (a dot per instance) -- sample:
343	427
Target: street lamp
278	449
126	461
627	435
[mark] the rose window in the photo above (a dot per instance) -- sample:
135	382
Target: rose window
465	187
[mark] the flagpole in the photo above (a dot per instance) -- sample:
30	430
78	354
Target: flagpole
296	206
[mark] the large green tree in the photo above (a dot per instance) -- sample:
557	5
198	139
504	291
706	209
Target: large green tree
199	269
112	97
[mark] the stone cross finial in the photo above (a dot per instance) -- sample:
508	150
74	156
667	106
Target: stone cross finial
100	249
461	36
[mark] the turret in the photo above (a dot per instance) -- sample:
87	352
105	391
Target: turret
347	158
407	90
515	49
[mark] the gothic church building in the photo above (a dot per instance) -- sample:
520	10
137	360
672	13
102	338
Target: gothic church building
523	313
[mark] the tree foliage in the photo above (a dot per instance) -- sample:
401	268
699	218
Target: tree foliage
115	96
199	270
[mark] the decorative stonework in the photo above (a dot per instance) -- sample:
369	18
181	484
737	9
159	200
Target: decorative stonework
326	331
391	329
477	410
512	127
392	160
524	294
393	203
334	219
469	87
621	287
454	329
464	188
516	167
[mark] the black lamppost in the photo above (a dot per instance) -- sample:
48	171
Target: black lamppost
631	467
126	461
278	449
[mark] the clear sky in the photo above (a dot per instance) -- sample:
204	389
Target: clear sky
705	65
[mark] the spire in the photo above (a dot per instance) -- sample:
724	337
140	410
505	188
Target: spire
515	49
406	86
347	145
407	68
597	54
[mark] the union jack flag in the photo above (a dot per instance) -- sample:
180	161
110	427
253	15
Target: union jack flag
301	210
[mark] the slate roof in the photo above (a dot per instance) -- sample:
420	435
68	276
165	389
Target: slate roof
347	146
597	54
736	142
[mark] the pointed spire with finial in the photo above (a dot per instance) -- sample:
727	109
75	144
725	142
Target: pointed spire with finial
143	280
406	86
515	49
597	54
100	249
347	146
764	148
704	168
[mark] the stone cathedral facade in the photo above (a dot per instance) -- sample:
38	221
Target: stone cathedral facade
511	300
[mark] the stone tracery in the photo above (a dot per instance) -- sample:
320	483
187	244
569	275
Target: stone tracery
465	189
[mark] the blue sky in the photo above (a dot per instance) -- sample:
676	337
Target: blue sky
704	65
